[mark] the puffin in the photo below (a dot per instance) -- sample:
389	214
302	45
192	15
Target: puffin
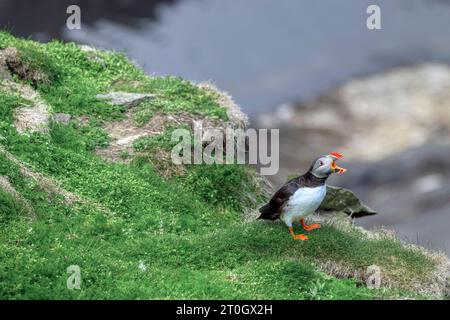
301	196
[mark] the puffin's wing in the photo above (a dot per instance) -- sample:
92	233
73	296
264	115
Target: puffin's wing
272	210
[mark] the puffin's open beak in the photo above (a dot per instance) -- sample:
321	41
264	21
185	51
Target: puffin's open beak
337	169
334	166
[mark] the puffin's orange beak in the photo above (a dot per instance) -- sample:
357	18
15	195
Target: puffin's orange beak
334	166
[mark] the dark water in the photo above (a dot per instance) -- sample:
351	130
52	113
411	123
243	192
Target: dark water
263	52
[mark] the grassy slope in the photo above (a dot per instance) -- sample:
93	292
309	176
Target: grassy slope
187	231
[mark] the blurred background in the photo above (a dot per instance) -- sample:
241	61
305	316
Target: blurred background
311	69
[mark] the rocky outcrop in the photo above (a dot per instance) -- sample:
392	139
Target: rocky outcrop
11	59
411	191
62	118
343	200
33	118
27	118
4	71
125	131
93	54
127	99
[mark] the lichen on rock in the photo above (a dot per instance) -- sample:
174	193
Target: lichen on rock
127	99
344	200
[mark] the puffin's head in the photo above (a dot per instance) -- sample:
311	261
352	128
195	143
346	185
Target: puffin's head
323	166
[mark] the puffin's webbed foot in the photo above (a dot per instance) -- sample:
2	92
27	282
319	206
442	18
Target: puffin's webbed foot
310	227
297	236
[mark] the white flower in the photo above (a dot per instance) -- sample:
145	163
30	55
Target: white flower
142	266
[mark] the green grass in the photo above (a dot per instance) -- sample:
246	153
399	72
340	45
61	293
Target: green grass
214	184
192	249
175	95
188	231
8	102
9	207
75	80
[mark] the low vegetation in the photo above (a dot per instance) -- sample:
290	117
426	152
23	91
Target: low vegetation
138	234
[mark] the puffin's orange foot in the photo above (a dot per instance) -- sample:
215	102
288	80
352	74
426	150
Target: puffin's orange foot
310	227
300	237
297	236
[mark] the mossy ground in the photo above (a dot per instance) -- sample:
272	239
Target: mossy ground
186	233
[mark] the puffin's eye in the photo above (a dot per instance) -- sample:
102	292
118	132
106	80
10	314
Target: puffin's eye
320	163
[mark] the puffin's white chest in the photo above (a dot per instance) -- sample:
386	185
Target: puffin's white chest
303	203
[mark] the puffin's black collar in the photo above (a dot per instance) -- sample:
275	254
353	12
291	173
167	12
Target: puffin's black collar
309	180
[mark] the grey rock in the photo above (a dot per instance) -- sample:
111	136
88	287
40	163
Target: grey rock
127	99
93	54
344	200
4	73
62	118
12	63
33	117
86	48
410	189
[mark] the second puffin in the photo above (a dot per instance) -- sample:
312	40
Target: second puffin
301	196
